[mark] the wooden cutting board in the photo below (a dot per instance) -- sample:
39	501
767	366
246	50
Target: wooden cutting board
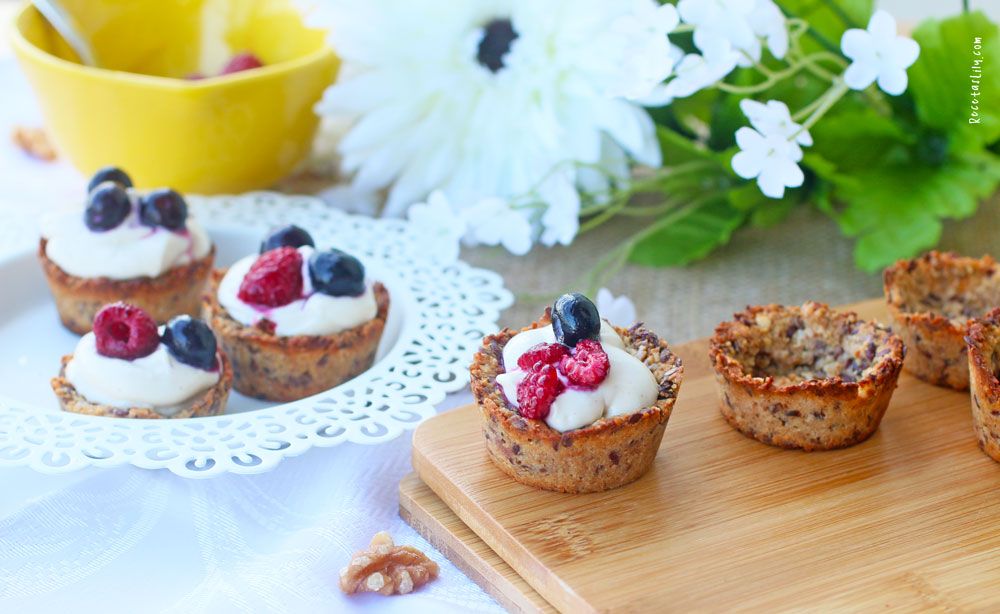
909	518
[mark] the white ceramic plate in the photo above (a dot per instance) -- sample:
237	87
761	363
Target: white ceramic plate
440	310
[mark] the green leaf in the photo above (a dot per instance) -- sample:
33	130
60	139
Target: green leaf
828	19
896	210
858	140
678	149
941	81
691	237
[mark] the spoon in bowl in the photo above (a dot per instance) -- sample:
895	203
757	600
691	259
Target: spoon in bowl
66	26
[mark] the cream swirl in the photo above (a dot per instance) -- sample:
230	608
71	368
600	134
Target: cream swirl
314	313
158	381
127	251
629	386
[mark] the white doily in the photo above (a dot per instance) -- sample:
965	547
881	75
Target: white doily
451	307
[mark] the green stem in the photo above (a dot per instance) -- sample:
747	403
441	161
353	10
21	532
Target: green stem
829	99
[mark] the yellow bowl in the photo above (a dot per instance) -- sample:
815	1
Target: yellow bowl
217	135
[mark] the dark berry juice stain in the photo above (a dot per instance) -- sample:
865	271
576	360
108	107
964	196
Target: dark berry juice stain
497	38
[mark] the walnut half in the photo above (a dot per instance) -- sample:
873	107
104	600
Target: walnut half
387	568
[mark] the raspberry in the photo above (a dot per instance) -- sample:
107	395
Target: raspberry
125	331
275	279
545	353
587	365
537	391
242	61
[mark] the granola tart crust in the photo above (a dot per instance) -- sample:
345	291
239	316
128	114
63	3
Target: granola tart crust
937	348
983	343
283	369
607	454
212	402
78	299
816	414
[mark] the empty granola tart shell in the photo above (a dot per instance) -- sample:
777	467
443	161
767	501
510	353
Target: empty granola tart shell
930	300
78	299
276	368
845	370
607	454
984	367
209	403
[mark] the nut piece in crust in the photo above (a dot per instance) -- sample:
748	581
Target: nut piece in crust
931	300
984	370
607	454
387	569
804	377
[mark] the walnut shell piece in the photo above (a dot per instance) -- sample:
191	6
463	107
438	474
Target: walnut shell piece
387	569
804	377
931	300
984	369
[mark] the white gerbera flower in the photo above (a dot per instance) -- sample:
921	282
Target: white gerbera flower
878	53
439	223
771	159
619	310
488	99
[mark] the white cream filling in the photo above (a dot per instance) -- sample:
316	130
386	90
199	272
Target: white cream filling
629	386
128	251
158	381
313	314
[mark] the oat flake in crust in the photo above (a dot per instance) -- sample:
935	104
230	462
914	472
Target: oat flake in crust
984	369
931	300
804	377
607	454
268	366
209	403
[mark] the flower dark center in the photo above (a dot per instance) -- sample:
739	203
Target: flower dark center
497	37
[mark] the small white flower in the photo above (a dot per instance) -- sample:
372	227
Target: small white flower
561	219
878	53
772	159
620	310
439	223
768	22
696	72
774	118
492	221
738	25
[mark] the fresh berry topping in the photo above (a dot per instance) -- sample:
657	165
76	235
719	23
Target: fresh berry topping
286	236
242	61
163	207
275	279
191	342
537	391
337	274
574	318
109	173
587	365
125	331
545	353
107	206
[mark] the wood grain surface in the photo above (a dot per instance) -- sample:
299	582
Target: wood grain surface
908	519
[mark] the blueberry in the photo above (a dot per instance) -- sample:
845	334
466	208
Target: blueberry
575	318
163	207
286	236
337	274
191	342
109	173
108	205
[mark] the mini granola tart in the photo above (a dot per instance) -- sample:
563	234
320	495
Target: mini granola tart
296	321
128	368
804	377
984	370
931	300
573	404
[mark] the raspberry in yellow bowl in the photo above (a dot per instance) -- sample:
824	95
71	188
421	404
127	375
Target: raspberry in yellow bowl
138	110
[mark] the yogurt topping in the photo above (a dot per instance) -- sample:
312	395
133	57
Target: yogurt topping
127	251
158	381
313	314
629	386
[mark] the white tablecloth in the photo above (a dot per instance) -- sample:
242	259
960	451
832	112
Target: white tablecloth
128	540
